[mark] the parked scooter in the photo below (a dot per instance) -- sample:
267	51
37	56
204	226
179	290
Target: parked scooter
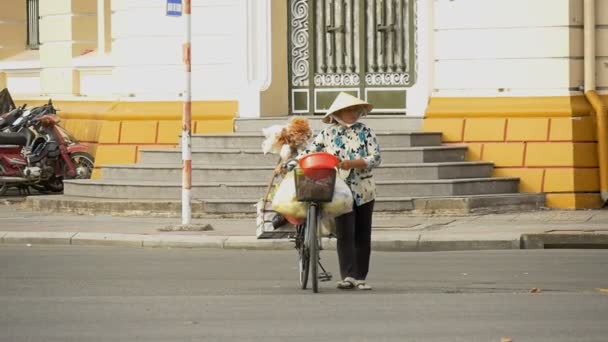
36	152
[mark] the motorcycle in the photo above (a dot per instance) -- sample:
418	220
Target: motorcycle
7	121
36	152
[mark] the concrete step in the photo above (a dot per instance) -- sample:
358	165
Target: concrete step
210	157
234	206
242	157
464	204
253	190
386	172
375	122
253	140
455	205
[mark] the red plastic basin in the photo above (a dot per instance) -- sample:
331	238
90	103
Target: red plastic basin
318	165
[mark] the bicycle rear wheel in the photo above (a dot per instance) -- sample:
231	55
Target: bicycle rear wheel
313	246
303	258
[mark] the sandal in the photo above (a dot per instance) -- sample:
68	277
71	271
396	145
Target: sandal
362	285
347	284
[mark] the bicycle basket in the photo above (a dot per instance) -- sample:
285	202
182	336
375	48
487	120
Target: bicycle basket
315	186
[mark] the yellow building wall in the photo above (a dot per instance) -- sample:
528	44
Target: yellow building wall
505	77
275	99
13	27
548	142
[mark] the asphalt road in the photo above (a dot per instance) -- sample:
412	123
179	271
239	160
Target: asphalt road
120	294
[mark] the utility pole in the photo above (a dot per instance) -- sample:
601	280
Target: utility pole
179	8
187	120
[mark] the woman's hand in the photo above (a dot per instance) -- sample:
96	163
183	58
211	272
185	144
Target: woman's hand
345	165
352	164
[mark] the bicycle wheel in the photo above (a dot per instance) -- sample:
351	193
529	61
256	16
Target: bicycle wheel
313	247
303	258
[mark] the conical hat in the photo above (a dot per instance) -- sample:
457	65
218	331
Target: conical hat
344	100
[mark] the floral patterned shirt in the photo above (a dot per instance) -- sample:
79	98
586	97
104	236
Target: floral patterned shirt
355	142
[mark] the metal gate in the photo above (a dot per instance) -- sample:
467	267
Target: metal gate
363	47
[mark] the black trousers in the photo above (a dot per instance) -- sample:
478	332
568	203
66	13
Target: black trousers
354	234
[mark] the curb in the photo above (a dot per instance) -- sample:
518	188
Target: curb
404	242
12	200
588	240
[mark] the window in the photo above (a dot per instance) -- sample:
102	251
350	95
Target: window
33	32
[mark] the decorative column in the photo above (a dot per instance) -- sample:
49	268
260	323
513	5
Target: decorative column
104	33
68	28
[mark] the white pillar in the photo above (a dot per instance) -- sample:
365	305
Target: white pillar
258	60
418	95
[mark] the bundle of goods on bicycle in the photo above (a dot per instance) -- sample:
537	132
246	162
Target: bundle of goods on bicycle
287	141
286	201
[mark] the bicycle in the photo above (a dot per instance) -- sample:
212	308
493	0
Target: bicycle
315	180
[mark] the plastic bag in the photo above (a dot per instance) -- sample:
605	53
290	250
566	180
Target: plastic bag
285	201
327	226
341	203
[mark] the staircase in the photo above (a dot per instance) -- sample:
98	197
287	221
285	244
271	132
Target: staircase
230	173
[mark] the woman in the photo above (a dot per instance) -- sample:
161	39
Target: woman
357	148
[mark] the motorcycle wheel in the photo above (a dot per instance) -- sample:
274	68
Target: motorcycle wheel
84	163
40	188
54	184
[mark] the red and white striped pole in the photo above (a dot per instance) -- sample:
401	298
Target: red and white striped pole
187	120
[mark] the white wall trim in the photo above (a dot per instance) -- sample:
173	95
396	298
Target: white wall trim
93	60
19	65
418	95
101	26
257	35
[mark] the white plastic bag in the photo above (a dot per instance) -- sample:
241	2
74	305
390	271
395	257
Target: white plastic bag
285	201
341	203
327	226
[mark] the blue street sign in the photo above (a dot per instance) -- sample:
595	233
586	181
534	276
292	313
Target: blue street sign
174	8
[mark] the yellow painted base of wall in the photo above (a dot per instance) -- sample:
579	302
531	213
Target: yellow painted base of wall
117	131
574	201
548	142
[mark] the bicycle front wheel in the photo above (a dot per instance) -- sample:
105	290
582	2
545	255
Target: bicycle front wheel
303	257
313	246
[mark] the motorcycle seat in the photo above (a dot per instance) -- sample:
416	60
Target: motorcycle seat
19	139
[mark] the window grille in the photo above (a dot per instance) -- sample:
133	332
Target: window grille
33	32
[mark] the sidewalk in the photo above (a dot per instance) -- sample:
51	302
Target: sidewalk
540	229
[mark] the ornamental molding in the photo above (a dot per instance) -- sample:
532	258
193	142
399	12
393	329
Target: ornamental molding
387	79
300	68
337	80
